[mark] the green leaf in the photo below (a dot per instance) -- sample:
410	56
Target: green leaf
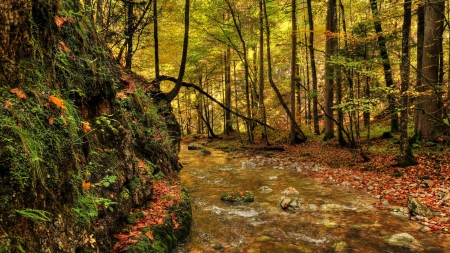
106	183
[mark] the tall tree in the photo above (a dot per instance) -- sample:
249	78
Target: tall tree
300	136
261	69
330	49
313	69
407	158
386	65
174	92
293	67
155	37
430	116
228	126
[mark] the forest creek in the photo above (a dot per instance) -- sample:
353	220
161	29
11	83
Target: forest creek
230	126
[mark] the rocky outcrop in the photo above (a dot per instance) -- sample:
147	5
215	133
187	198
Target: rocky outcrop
82	142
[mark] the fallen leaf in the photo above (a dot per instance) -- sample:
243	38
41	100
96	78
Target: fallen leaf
8	104
59	21
86	127
19	93
67	49
86	185
51	120
57	101
149	234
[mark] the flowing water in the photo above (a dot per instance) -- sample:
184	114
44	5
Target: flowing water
338	219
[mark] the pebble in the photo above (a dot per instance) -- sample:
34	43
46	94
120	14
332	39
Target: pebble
370	188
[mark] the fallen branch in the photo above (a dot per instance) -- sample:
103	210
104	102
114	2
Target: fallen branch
191	85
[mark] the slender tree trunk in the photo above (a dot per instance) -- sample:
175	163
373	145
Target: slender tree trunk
313	69
330	49
130	33
293	67
261	71
301	137
386	66
246	68
407	157
174	92
227	58
427	102
155	37
420	36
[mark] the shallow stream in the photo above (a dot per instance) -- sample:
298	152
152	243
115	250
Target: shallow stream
339	219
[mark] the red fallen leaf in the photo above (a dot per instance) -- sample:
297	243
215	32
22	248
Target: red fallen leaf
67	49
149	234
19	93
242	193
59	21
86	185
8	104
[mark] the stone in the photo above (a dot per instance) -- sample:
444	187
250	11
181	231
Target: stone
273	178
238	196
428	183
265	189
403	240
205	152
194	147
290	191
417	208
291	204
370	188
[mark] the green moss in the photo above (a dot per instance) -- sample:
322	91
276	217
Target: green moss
133	217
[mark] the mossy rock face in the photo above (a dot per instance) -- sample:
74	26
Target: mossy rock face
417	208
165	237
238	196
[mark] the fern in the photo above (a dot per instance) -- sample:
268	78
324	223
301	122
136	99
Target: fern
35	215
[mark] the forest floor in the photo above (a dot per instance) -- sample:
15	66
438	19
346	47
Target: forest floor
428	181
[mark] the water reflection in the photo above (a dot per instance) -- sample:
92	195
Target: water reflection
336	219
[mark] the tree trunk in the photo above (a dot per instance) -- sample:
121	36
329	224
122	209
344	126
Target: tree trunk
313	70
261	71
129	34
246	68
227	58
293	68
406	156
386	65
427	102
330	50
301	137
155	37
174	92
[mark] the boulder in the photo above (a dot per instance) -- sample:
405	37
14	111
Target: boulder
404	240
417	208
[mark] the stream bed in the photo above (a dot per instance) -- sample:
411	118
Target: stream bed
338	219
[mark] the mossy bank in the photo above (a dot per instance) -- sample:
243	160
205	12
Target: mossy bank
82	142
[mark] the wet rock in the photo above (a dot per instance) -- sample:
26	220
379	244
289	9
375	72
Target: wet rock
205	152
404	240
273	178
427	183
292	204
417	208
265	189
238	196
290	191
194	147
